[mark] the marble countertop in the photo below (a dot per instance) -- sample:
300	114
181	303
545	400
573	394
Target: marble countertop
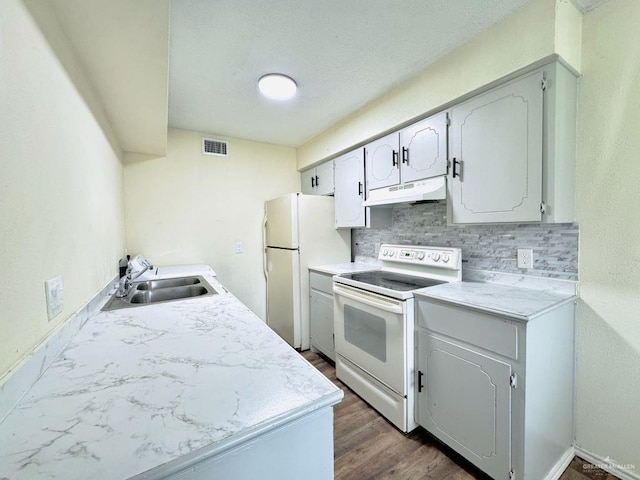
340	268
142	389
513	302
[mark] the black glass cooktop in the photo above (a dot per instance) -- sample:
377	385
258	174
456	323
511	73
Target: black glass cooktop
393	281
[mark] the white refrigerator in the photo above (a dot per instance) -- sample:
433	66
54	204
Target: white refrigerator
299	232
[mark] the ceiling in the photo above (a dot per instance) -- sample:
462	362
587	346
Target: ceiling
343	54
202	75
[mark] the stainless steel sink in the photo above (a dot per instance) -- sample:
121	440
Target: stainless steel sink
166	294
151	292
167	282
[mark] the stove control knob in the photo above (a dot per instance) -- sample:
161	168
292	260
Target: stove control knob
436	257
420	255
445	258
385	252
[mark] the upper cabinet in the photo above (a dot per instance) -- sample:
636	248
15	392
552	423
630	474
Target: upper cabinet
496	155
381	162
318	180
416	152
512	151
423	149
350	192
349	189
508	154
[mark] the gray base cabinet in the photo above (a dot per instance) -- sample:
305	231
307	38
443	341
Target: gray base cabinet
321	313
498	391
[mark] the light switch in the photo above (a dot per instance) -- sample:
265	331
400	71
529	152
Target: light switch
54	290
239	247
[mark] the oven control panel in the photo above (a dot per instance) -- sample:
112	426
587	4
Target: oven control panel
441	257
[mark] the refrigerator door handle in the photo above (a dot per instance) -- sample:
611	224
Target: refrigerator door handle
264	245
264	265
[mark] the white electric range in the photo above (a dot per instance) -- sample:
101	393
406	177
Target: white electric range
374	325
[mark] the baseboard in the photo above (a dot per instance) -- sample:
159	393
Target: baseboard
623	472
21	378
561	465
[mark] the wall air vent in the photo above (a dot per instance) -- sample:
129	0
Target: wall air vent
214	147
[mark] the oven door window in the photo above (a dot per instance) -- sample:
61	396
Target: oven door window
370	332
366	331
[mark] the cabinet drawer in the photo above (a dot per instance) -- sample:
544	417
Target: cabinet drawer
480	329
322	282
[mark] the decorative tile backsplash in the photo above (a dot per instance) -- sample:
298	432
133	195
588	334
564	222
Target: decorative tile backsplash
484	247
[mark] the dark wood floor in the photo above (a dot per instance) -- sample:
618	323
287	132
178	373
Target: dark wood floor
368	447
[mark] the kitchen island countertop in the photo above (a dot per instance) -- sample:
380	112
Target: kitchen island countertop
140	389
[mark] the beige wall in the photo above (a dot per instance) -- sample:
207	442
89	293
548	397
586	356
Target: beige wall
608	199
193	208
61	205
499	51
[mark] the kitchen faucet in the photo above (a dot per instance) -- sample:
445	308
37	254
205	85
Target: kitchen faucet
125	282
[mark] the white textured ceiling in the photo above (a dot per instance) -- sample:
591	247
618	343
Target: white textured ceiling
343	54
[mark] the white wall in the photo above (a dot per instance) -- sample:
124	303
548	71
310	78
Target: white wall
193	208
61	205
608	199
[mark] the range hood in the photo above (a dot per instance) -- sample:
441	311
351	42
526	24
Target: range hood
419	191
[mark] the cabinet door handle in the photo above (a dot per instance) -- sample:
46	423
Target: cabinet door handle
394	158
405	155
359	188
313	182
420	386
317	182
456	173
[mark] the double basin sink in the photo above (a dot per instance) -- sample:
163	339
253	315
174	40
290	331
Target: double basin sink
159	291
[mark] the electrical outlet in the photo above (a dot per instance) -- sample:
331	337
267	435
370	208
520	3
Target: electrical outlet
239	247
54	291
525	258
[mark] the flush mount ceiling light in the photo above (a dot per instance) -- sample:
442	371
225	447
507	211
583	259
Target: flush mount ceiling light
277	86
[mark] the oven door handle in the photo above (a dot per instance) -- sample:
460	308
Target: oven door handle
386	305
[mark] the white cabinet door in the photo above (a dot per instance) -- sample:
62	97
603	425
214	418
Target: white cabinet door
349	189
308	181
423	148
321	320
382	162
496	154
318	180
464	399
324	178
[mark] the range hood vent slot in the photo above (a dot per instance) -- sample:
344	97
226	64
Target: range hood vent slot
429	190
214	147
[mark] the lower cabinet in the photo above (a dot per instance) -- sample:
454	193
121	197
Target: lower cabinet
498	391
321	313
465	400
302	447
